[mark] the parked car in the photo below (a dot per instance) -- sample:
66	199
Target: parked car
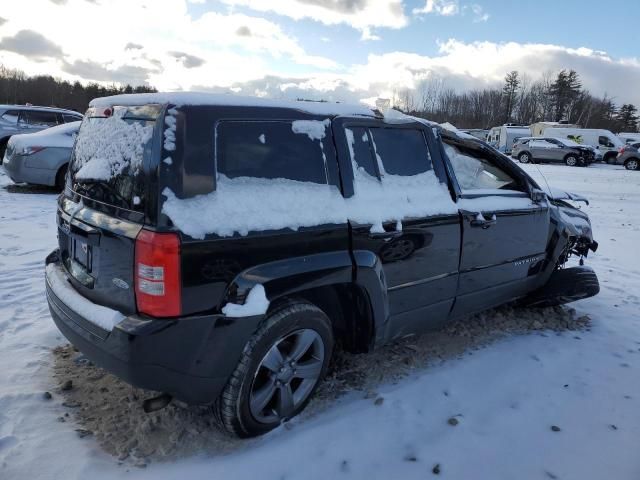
216	248
606	142
629	137
629	156
41	158
552	150
17	119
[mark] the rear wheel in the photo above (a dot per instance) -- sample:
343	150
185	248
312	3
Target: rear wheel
524	157
632	164
61	177
571	160
279	370
3	149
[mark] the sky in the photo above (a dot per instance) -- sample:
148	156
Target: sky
341	50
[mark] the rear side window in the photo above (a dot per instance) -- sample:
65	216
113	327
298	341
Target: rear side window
401	151
40	119
605	142
272	149
71	118
11	116
360	150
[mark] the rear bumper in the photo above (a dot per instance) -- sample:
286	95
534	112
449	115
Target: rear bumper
18	172
189	358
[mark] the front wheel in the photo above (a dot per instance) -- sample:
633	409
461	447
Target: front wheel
571	160
524	157
280	368
632	164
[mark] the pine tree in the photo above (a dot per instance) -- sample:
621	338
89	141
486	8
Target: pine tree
627	118
509	92
564	91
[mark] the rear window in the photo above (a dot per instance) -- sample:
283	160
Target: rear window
272	149
71	118
11	116
109	153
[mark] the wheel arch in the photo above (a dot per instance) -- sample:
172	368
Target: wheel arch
351	290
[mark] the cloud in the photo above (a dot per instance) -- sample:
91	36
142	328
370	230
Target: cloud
243	31
87	69
2	21
133	46
31	44
363	15
189	61
448	8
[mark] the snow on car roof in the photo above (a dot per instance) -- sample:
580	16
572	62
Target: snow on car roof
196	98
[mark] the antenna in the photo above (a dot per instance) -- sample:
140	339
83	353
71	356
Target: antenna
544	178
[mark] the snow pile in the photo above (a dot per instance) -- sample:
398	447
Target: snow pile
246	204
314	129
197	98
170	131
103	317
107	146
54	137
256	303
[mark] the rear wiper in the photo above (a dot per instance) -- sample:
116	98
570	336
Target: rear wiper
105	186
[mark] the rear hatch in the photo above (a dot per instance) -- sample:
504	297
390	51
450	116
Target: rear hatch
107	200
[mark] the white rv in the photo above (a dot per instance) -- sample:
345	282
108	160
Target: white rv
629	137
538	129
606	142
502	138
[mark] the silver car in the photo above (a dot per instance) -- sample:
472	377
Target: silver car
41	158
17	119
547	149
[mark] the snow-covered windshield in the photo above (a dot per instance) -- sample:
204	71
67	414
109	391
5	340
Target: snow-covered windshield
109	152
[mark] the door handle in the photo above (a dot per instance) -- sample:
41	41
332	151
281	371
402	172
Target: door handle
478	220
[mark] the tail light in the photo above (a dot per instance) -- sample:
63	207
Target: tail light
622	149
31	150
157	274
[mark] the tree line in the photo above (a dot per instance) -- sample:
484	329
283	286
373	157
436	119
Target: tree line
18	88
554	97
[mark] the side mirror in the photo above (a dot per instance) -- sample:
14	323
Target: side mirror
538	196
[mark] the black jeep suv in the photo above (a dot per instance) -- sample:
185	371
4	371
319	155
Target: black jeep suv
216	248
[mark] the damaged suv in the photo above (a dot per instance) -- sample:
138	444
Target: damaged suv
216	248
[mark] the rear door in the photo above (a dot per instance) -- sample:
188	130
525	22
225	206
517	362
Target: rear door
109	199
404	214
504	233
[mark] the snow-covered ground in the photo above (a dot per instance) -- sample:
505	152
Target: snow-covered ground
505	397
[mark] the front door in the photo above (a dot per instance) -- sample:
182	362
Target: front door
406	216
504	233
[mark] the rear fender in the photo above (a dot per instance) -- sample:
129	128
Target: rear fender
284	278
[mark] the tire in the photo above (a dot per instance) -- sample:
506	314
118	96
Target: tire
524	157
632	164
252	402
3	148
571	160
61	177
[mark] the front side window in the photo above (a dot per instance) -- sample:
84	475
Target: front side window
272	149
476	172
605	142
40	119
401	151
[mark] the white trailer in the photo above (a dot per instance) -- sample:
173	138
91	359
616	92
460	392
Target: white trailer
502	138
538	129
629	137
604	141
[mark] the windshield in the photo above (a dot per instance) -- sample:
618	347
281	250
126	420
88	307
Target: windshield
109	152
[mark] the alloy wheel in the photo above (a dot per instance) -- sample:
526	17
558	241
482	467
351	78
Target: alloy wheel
632	165
286	376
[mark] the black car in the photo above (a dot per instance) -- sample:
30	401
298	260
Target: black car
216	248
